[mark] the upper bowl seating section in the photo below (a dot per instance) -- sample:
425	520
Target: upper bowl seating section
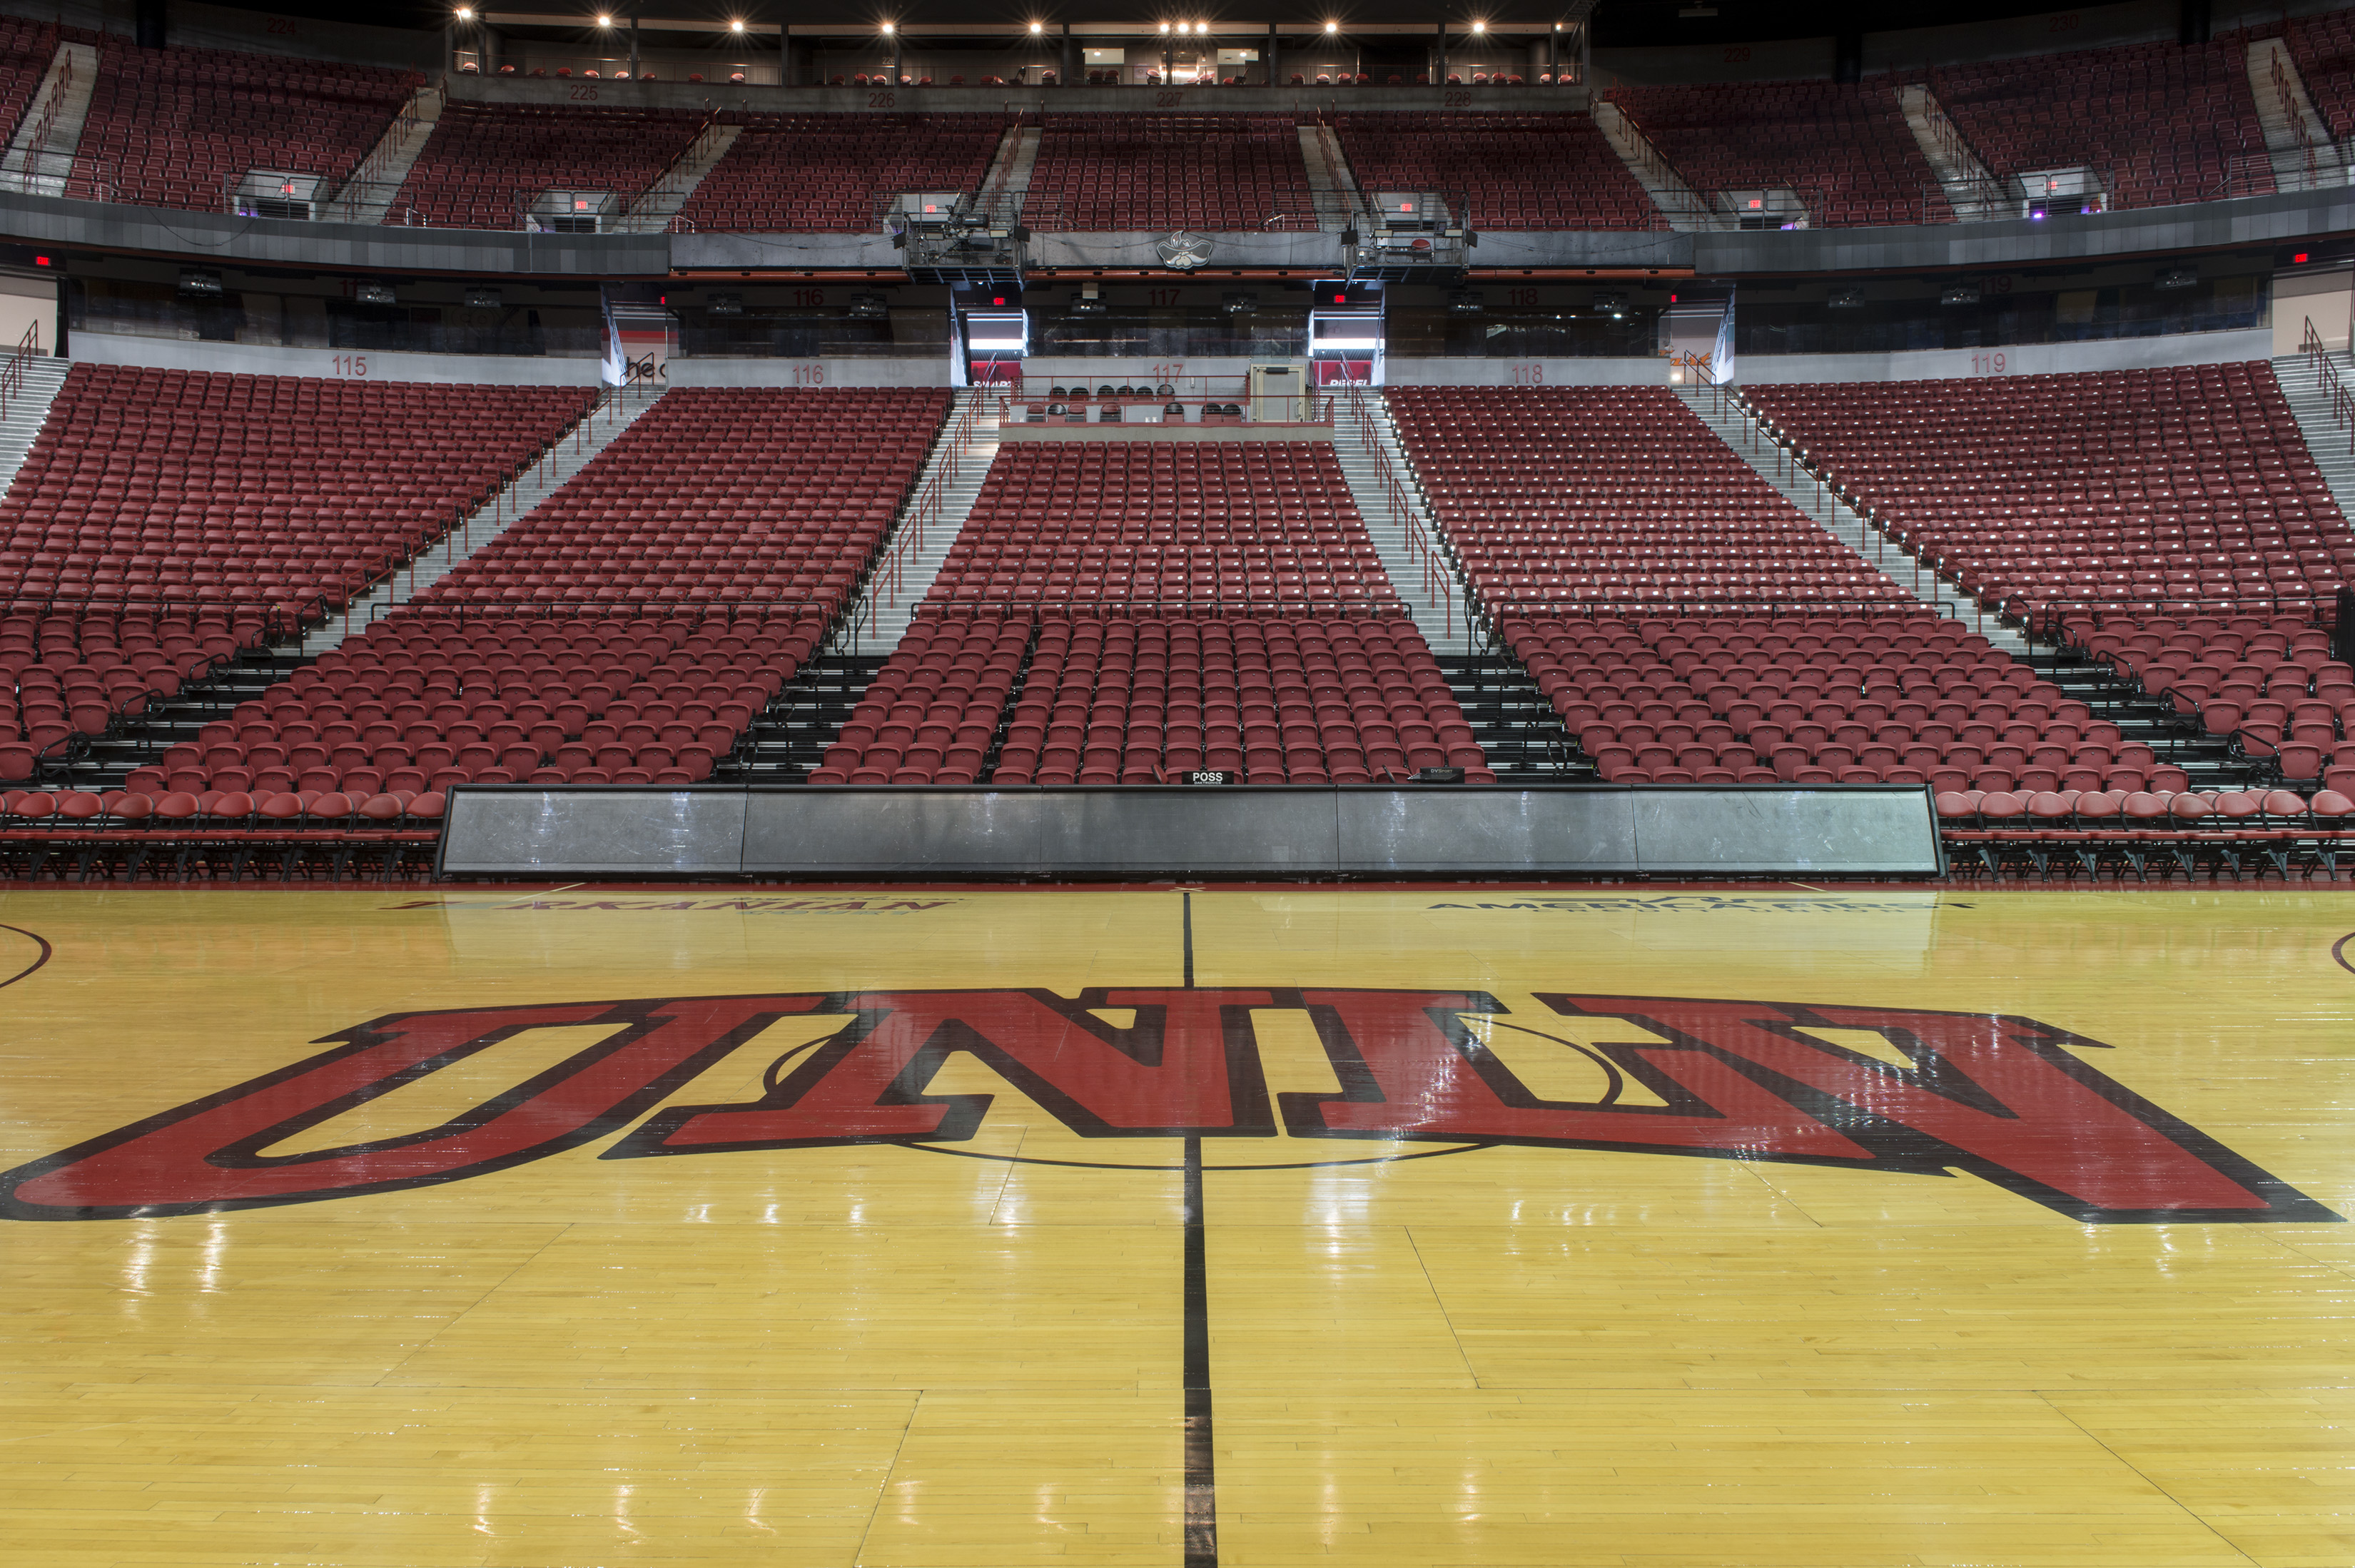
1583	497
181	127
1514	171
718	495
2161	124
2178	490
831	173
1845	148
2324	48
27	47
485	164
1168	170
1180	527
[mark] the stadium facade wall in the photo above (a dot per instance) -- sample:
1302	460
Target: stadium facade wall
931	371
2012	243
218	238
1651	370
223	239
2021	359
342	365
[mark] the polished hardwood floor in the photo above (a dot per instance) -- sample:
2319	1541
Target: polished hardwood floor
965	1228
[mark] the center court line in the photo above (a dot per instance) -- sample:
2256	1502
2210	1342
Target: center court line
1201	1469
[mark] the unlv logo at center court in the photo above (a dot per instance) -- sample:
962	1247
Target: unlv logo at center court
2003	1097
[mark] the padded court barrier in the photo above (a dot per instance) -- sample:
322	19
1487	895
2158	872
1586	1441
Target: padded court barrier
1464	830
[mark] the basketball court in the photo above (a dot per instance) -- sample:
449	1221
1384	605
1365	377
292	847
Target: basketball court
1266	1226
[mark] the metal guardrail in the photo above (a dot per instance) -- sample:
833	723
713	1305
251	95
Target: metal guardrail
12	372
2327	376
1443	584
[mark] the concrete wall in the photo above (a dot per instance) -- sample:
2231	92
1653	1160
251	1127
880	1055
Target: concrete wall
1650	372
218	238
2322	296
2023	360
928	372
341	365
29	303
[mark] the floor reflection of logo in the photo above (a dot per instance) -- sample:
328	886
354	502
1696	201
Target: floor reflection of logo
2006	1098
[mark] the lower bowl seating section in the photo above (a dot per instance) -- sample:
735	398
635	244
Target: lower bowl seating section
486	164
1897	698
1844	148
1168	170
1592	497
831	173
70	676
2176	490
276	495
180	128
1207	526
932	712
1105	701
121	835
717	495
1128	612
426	699
2159	123
1279	701
1514	171
2063	833
2267	685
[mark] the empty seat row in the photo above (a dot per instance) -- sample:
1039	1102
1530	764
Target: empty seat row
1077	700
1207	526
430	697
2185	488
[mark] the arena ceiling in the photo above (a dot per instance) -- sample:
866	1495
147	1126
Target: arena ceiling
1618	24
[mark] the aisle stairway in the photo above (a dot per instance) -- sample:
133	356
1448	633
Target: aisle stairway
1736	424
55	118
2297	140
367	195
790	739
1975	195
2332	445
652	213
1382	483
21	424
571	453
911	559
1512	720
